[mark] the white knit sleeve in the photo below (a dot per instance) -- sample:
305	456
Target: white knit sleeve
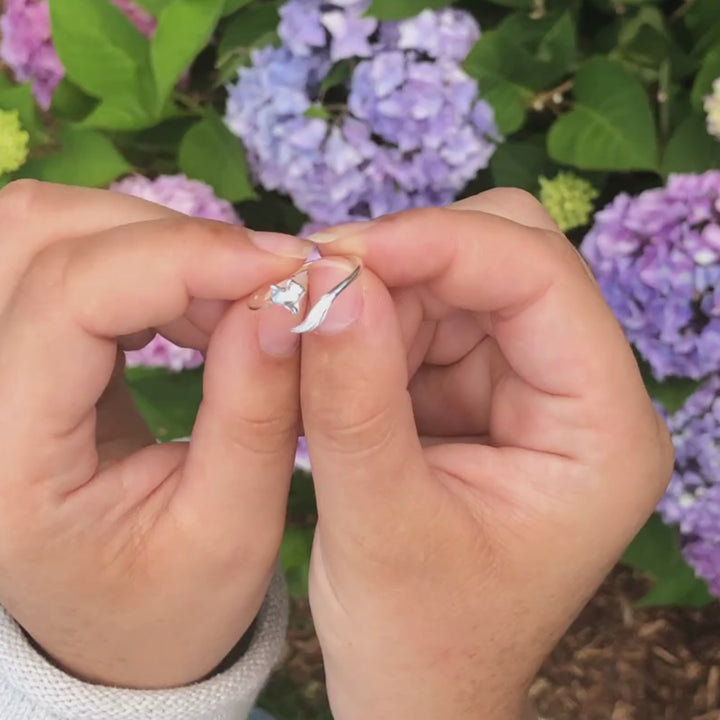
31	688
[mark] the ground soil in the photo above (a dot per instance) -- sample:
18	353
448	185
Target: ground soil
619	662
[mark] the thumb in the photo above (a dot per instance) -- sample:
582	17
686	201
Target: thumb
366	456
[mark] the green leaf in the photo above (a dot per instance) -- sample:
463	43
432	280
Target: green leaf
518	60
249	29
101	50
339	74
401	9
611	126
550	40
85	158
502	72
232	6
211	153
70	102
168	401
691	148
120	113
656	552
295	559
20	98
709	71
558	46
643	39
317	111
671	393
702	21
184	28
521	163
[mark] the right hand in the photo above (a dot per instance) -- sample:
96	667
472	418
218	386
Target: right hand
131	563
483	449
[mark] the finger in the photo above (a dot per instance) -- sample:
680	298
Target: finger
511	203
37	214
548	317
236	477
367	459
78	296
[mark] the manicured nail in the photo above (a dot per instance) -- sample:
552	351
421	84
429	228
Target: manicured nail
283	245
274	332
348	306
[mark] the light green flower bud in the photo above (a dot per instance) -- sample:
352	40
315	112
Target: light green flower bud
712	108
13	141
569	199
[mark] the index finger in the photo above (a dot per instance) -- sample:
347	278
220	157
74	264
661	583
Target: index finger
529	284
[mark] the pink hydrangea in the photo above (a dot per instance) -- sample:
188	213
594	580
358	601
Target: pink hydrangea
181	194
27	46
192	198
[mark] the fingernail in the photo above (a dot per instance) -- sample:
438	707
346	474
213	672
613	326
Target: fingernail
348	233
274	332
348	306
283	245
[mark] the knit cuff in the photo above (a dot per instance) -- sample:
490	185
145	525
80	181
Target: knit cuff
31	688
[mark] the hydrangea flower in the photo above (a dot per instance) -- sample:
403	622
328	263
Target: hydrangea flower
657	259
13	141
568	199
712	108
181	194
192	198
161	353
27	47
395	125
302	457
692	501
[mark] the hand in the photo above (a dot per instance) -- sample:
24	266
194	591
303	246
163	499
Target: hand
483	449
131	563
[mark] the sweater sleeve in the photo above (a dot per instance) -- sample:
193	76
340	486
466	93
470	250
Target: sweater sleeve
31	688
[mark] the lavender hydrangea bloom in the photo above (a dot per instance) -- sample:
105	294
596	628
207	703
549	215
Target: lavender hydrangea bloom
692	501
27	47
302	456
192	198
405	130
181	194
657	259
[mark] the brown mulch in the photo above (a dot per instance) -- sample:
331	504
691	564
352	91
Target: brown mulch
619	662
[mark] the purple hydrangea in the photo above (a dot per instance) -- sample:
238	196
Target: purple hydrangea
400	126
692	501
189	197
181	194
657	259
302	457
27	47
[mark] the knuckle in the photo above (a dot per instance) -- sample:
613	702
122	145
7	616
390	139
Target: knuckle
355	428
46	271
20	198
262	435
521	200
194	234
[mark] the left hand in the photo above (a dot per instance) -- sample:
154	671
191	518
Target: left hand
132	563
483	449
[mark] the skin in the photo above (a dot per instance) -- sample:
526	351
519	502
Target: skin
482	443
